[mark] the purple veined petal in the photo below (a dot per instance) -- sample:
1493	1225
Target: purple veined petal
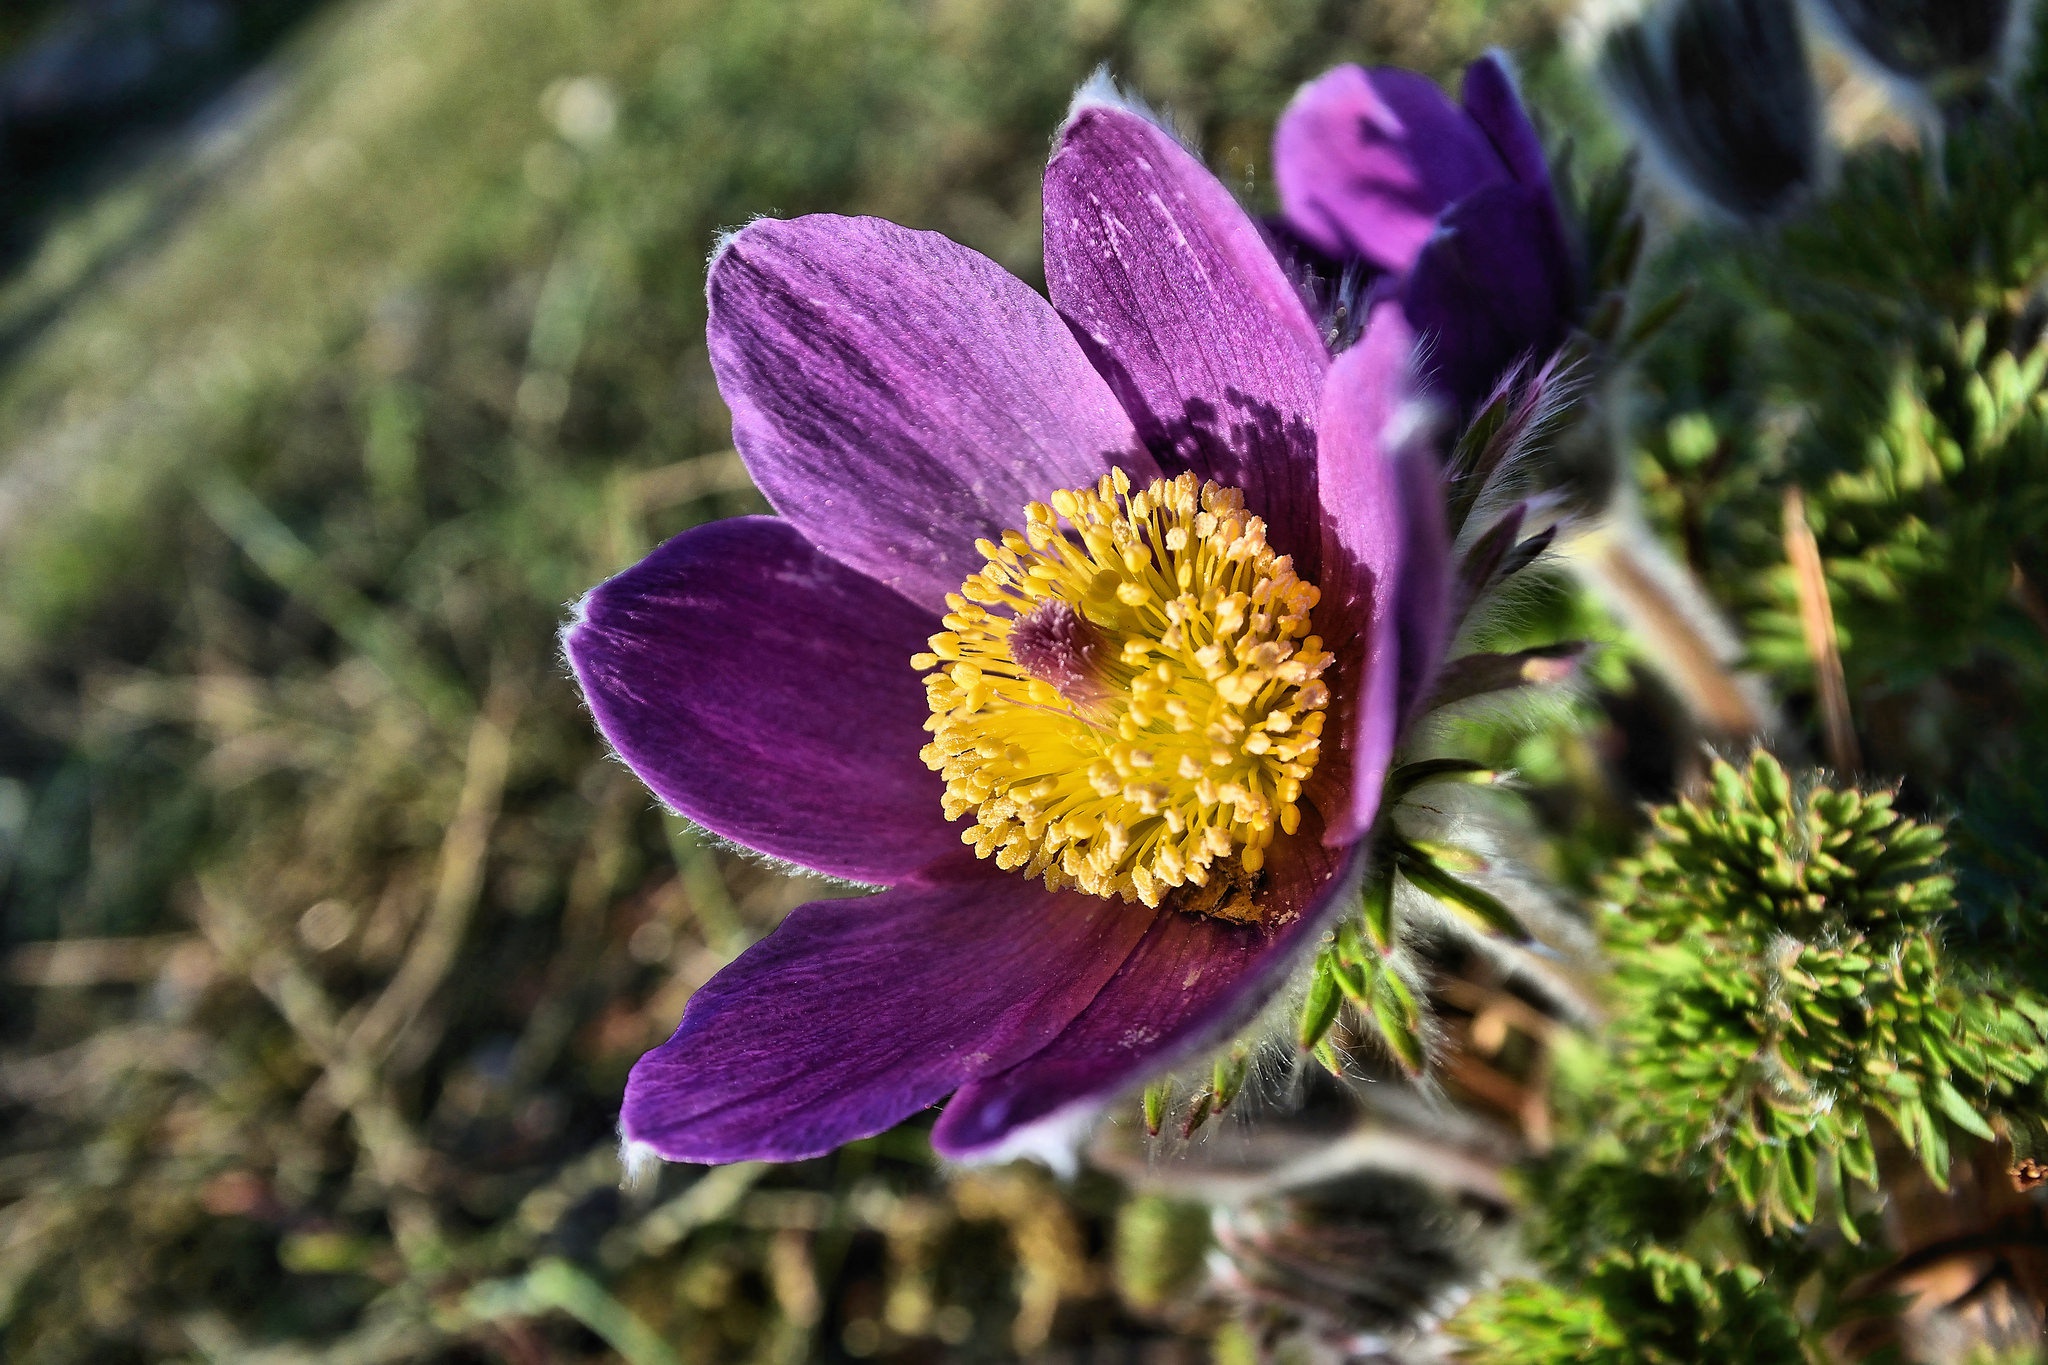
765	691
855	1014
1366	402
1424	611
1365	161
1495	284
1183	307
1495	105
1190	985
896	395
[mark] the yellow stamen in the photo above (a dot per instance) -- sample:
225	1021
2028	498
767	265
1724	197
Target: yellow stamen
1130	703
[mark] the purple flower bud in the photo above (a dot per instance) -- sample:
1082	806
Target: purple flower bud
1447	208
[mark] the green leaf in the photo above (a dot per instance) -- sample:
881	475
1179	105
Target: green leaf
1958	1111
1376	911
1480	907
1400	1028
1156	1097
1319	1011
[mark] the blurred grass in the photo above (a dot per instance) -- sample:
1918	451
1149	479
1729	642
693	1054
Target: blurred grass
330	931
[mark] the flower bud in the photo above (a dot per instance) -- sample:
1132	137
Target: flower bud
1358	1265
1723	95
1942	45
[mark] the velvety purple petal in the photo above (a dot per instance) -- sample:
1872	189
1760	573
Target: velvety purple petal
766	692
1428	577
1184	309
1190	985
1495	284
855	1014
1495	105
1365	530
896	395
1365	161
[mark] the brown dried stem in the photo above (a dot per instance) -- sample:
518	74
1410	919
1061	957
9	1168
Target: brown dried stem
1817	621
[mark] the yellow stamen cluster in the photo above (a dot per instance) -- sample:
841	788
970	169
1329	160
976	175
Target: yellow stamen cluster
1128	695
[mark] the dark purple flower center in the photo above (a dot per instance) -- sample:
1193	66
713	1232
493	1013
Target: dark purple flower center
1056	644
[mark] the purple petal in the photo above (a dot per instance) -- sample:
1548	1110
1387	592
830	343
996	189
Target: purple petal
1495	284
766	692
1190	985
1187	313
855	1014
1428	579
1495	105
1365	529
1366	160
896	395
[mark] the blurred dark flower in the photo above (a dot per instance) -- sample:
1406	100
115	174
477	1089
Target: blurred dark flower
1937	43
104	62
1125	694
1450	206
1361	1263
1722	93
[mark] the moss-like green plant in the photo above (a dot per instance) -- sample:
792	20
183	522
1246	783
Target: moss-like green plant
1652	1307
1933	541
1781	988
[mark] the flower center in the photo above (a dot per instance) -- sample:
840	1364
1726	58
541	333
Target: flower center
1130	703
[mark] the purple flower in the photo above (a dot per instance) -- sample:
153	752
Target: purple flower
1126	591
1451	206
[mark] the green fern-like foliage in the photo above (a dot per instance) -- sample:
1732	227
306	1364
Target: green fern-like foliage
1881	350
1909	242
1781	989
1651	1307
1931	540
2001	841
1598	1196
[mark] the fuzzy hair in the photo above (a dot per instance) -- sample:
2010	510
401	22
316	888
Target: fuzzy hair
1100	91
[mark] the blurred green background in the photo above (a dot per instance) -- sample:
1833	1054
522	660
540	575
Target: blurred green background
339	350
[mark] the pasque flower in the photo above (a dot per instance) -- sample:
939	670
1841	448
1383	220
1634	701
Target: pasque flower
1723	95
1941	44
1085	630
1445	211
